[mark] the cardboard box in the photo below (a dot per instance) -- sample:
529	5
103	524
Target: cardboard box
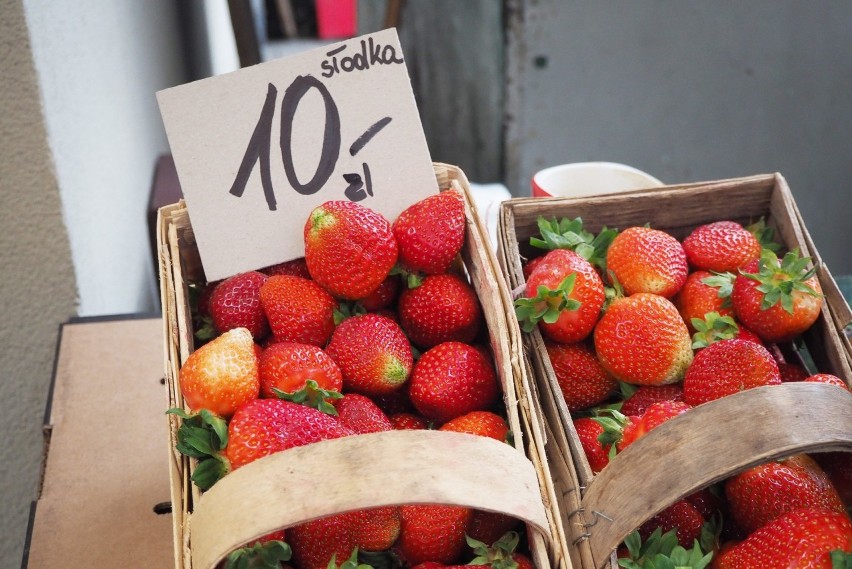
682	455
515	484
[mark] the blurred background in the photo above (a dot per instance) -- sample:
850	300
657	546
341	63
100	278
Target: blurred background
685	91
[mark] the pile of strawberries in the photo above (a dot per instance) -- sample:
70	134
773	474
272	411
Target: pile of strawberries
640	327
376	328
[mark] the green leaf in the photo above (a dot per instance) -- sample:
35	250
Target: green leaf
311	395
841	559
210	471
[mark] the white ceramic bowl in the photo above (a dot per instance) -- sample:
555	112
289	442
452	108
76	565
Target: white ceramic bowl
589	179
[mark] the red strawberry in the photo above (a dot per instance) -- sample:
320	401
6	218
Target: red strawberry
827	378
489	527
235	303
480	423
433	533
452	379
681	516
698	298
721	246
383	296
563	296
361	415
376	529
222	375
430	233
792	372
714	328
647	395
349	249
653	417
582	379
443	308
588	431
287	366
801	538
642	259
726	367
373	354
765	492
295	268
530	266
315	543
298	310
265	426
777	300
408	421
641	339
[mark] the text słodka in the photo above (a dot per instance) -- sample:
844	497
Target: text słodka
371	54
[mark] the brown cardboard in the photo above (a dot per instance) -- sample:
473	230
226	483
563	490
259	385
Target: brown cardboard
105	468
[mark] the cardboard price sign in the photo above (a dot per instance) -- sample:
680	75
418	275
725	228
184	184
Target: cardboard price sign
257	149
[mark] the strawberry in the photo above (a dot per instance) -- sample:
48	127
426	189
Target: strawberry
597	453
443	308
489	527
700	296
376	529
295	268
721	246
265	426
838	467
581	378
563	296
433	533
714	327
641	339
647	260
827	378
726	367
792	372
361	415
287	366
452	379
662	550
777	300
530	266
349	249
430	233
570	234
654	416
647	395
408	421
480	423
373	354
268	551
682	517
801	538
384	296
235	303
764	492
222	375
298	310
315	543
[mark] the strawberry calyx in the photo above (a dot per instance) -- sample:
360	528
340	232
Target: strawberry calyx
724	282
841	559
499	555
778	281
312	395
570	234
351	563
547	305
346	310
267	555
764	234
203	436
387	559
612	292
713	328
413	279
613	423
661	550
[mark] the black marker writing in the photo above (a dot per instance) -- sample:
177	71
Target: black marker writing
371	54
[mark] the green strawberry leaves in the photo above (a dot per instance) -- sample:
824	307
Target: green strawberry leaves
346	310
713	328
841	559
765	235
268	555
499	555
203	436
725	283
570	234
312	395
351	563
547	305
661	551
613	423
778	280
412	279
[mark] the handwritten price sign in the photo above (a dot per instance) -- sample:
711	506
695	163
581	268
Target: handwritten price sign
256	150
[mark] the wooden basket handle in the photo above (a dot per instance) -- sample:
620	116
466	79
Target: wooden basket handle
364	471
708	444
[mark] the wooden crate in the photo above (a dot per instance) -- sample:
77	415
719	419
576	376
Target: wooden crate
405	466
682	455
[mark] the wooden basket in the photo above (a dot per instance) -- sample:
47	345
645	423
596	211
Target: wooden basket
683	455
402	467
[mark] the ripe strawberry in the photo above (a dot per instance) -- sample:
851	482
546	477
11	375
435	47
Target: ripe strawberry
801	538
563	296
235	303
698	298
597	453
222	375
827	378
726	367
721	246
530	266
480	423
641	339
582	379
715	327
433	533
265	426
443	308
349	249
792	372
682	517
361	415
408	421
647	260
376	529
489	527
373	354
314	543
452	379
298	310
383	296
765	492
295	268
287	366
777	300
430	233
647	395
654	416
